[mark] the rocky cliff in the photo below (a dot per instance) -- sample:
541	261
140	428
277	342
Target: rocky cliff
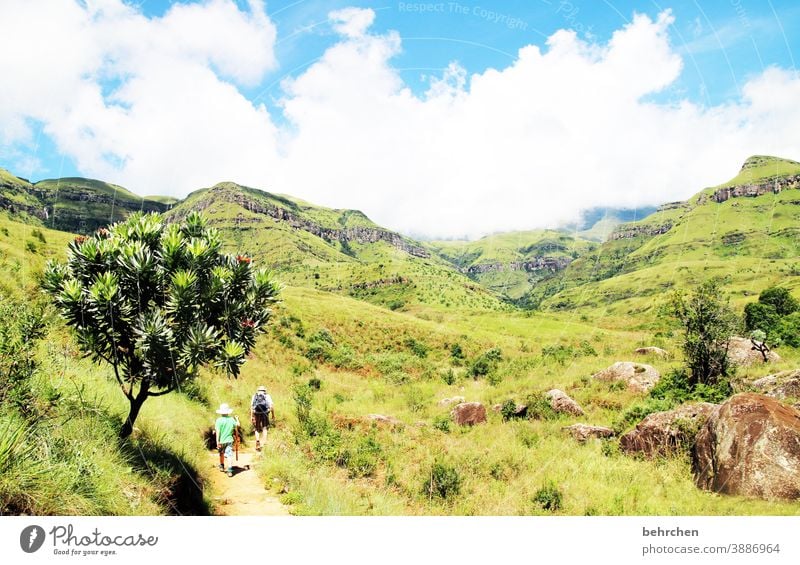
772	185
552	264
353	234
628	231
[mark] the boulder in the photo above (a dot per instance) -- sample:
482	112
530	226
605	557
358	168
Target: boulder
562	403
383	420
582	432
750	446
741	352
663	433
469	414
657	351
638	376
785	384
449	401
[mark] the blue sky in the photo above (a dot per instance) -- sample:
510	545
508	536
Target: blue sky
367	104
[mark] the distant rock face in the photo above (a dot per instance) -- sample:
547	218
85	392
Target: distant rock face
357	234
750	446
673	206
772	185
628	231
469	414
582	432
638	376
562	403
552	264
741	352
652	351
785	384
663	433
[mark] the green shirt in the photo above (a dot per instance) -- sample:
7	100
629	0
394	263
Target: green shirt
225	426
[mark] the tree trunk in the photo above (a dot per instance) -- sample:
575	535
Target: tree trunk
136	405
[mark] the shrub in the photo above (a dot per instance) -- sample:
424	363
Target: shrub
676	387
539	408
417	347
395	304
548	497
780	299
443	481
758	316
559	353
457	353
442	423
31	246
449	376
314	383
708	323
509	409
485	363
37	233
788	330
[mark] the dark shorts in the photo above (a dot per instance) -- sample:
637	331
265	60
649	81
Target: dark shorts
261	421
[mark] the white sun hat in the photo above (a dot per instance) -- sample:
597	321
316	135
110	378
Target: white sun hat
224	409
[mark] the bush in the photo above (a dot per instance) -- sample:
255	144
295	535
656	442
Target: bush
37	233
449	376
417	347
443	481
548	497
457	353
708	323
780	299
559	353
539	408
314	383
758	316
676	388
320	346
788	330
485	363
395	304
442	423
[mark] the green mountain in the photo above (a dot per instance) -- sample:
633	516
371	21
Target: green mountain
510	264
339	251
72	204
745	231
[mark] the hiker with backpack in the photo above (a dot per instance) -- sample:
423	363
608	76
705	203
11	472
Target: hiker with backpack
262	409
226	429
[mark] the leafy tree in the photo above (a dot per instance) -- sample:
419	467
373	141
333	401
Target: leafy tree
708	323
158	301
760	316
780	299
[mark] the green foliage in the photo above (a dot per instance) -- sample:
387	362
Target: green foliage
442	423
443	481
21	327
449	376
708	323
485	363
509	409
548	497
539	407
780	299
760	316
314	383
158	301
417	347
676	388
320	346
37	233
788	330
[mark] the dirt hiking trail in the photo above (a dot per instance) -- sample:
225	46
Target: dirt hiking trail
244	493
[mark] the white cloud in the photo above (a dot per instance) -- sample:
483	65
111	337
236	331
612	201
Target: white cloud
570	124
352	22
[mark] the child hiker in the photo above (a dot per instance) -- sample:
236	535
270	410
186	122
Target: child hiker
225	428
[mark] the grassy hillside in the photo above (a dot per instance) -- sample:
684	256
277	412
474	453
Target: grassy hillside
749	242
315	247
72	204
503	254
